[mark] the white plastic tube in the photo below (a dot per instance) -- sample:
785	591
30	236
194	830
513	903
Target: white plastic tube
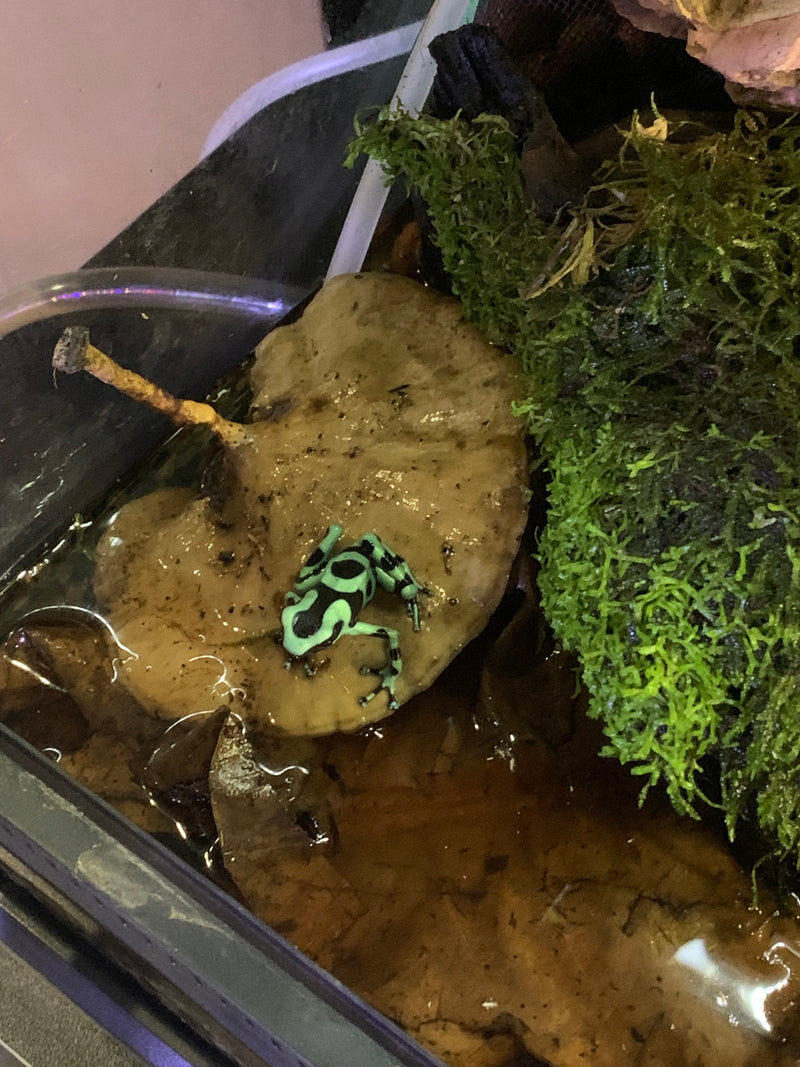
307	72
147	287
411	93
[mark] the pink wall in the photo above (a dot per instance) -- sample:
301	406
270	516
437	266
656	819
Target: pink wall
105	103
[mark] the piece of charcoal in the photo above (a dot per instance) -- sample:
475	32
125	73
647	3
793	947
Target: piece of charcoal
475	75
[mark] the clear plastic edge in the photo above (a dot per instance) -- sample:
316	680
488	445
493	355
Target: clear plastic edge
268	1002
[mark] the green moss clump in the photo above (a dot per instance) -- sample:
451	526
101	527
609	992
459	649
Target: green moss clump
661	347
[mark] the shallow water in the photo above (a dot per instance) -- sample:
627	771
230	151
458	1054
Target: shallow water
494	887
469	866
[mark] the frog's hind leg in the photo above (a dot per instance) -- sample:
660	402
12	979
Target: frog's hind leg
393	573
394	663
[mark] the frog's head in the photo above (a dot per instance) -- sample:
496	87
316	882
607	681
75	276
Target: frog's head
309	624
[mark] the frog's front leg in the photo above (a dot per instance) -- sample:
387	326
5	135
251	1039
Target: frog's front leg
315	564
394	663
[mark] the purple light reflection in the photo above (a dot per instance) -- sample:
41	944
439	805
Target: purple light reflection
181	289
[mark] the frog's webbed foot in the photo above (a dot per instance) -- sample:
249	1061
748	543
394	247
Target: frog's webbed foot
389	673
388	676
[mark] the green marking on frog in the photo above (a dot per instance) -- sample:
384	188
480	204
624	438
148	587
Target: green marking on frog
332	589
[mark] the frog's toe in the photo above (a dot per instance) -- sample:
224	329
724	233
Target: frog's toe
386	686
391	704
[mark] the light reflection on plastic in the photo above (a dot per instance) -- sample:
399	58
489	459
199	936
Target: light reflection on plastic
742	999
167	296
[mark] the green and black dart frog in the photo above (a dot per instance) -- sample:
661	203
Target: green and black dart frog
330	592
